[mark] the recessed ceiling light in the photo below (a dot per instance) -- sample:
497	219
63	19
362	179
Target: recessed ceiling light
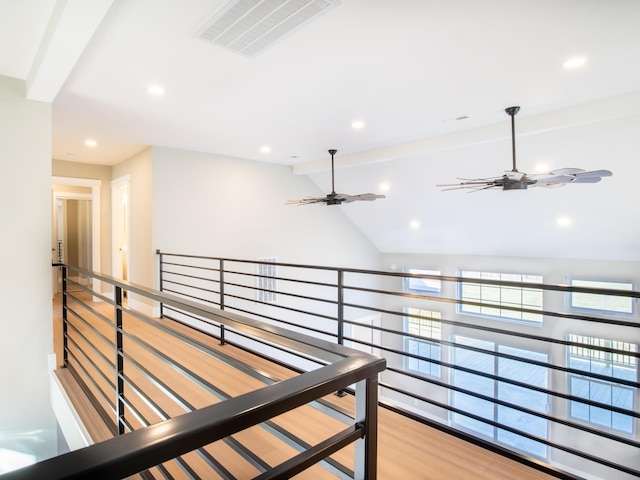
156	90
384	187
90	143
414	224
542	168
574	62
357	124
265	149
564	221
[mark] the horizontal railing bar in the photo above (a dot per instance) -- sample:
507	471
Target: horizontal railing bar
314	454
510	381
480	328
542	313
219	393
286	322
145	448
102	413
445	278
317	347
92	364
209	302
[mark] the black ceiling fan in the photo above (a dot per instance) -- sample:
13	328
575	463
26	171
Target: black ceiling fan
334	198
516	180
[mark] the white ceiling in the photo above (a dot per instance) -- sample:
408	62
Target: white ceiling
406	68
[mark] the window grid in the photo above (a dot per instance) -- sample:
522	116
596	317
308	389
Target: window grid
426	324
501	296
611	304
614	365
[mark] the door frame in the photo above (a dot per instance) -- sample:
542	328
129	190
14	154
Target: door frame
95	213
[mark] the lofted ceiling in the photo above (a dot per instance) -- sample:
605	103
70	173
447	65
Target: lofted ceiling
428	79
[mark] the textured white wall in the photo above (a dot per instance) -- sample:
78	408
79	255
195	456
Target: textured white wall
25	272
211	205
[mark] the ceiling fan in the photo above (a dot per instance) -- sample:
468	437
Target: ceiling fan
335	198
516	180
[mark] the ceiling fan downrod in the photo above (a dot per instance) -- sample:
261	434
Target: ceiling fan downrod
511	111
332	152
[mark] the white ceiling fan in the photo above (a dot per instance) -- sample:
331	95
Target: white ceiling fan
515	180
334	198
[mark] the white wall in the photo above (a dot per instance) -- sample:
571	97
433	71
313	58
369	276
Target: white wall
211	205
25	272
141	253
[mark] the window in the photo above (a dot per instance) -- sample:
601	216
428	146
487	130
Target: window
612	304
425	324
498	299
595	355
266	274
417	284
480	359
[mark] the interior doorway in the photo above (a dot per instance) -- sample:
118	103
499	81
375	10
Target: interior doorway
75	232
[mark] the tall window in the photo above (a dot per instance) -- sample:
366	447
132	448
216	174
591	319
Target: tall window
266	285
426	325
420	285
610	304
481	360
498	300
594	355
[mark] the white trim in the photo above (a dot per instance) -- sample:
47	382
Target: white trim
73	430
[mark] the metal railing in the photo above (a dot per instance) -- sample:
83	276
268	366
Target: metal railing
115	352
544	383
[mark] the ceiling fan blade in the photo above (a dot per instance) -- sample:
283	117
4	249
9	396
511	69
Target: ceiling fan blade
363	196
554	179
594	173
566	171
586	180
305	201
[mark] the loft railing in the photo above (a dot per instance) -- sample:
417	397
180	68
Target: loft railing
533	371
115	351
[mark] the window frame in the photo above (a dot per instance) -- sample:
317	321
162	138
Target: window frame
496	359
571	377
460	307
409	286
569	299
409	339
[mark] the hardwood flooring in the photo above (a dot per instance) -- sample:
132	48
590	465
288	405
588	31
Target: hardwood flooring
407	450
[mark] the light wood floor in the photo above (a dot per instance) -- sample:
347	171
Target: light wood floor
407	450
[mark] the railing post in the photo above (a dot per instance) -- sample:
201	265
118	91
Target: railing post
161	280
221	284
340	307
340	326
366	449
65	355
119	361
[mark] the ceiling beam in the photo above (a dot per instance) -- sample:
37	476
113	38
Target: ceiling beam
70	28
599	111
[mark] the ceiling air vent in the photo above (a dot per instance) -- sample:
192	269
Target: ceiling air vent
249	26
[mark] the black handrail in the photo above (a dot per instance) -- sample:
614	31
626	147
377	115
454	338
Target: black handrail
329	315
140	449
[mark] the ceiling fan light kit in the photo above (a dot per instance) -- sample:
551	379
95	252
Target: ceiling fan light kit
334	198
516	180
